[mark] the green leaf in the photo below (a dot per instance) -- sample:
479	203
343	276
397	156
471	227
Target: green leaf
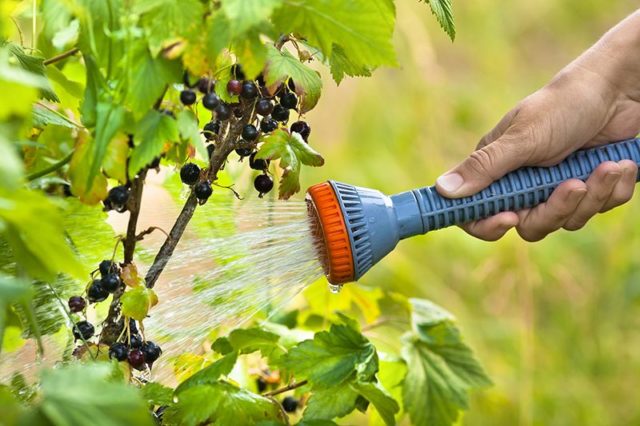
316	422
79	173
166	20
341	66
333	357
247	13
282	65
152	132
44	117
136	302
157	394
386	406
251	52
149	79
444	14
34	65
210	374
109	120
255	339
12	291
222	345
441	368
292	151
363	28
33	228
329	403
95	86
189	131
75	393
221	404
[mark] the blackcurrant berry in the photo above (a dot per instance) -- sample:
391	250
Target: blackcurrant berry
264	107
205	85
223	112
188	97
280	113
263	184
260	80
118	351
151	352
211	129
289	100
66	190
96	293
136	359
302	128
249	133
268	125
210	149
135	341
118	195
107	267
257	164
234	87
290	404
210	101
249	90
291	85
237	72
189	173
261	384
243	152
203	191
83	330
76	303
111	282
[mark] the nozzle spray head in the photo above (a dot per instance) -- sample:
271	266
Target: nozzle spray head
356	227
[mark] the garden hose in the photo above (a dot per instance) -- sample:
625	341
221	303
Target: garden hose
357	226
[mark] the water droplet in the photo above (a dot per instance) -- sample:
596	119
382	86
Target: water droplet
335	288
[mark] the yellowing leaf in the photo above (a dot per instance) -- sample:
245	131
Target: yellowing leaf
115	161
130	275
136	302
79	174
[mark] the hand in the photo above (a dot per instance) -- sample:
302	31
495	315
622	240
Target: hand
593	101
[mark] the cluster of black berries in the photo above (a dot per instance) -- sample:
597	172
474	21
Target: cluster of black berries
117	198
190	175
136	351
273	110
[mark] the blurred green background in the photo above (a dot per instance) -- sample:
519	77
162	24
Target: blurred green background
555	322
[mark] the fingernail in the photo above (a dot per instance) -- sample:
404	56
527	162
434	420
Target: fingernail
612	178
450	182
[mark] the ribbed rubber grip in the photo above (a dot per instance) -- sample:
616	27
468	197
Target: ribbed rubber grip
523	188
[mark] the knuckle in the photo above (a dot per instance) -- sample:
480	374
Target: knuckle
481	162
575	225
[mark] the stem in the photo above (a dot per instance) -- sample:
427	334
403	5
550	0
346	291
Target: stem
60	57
135	198
113	325
215	163
290	386
51	168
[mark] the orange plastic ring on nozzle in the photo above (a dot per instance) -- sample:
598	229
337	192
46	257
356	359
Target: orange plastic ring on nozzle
338	264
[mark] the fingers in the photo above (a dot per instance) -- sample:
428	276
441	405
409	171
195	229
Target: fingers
536	223
600	188
492	228
623	190
485	165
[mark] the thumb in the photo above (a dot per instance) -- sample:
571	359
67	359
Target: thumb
484	166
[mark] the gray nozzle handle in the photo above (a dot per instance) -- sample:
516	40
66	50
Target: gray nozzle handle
521	189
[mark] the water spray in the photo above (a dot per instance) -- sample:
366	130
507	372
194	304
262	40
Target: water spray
357	227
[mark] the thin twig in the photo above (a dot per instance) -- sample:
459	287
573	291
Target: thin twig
135	198
290	386
60	57
215	163
148	231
